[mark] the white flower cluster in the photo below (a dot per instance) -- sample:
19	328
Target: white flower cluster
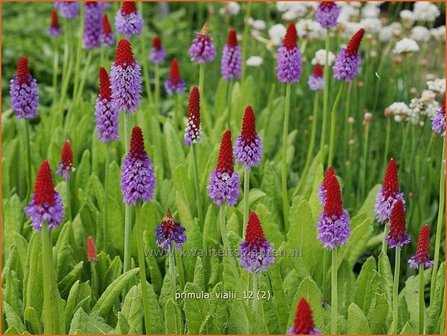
405	46
425	11
320	57
276	33
292	10
254	61
400	111
391	31
438	33
230	8
437	85
309	29
420	34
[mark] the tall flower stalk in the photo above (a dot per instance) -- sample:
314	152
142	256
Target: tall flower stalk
46	212
202	51
192	136
107	130
288	71
223	189
333	231
248	151
170	236
397	237
65	169
419	261
137	186
24	102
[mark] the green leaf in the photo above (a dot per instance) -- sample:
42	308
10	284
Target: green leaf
218	307
366	285
368	205
174	148
156	321
12	220
34	279
238	323
107	299
133	310
357	322
12	318
279	297
272	230
173	318
434	312
377	315
84	323
387	276
195	308
198	274
32	320
65	284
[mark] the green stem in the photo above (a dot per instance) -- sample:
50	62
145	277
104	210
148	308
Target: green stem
384	243
142	264
246	199
421	300
49	302
387	142
229	96
313	134
28	157
127	209
334	299
396	291
68	205
245	39
285	200
227	248
82	81
438	225
78	55
55	67
255	299
157	87
364	163
197	184
333	124
205	115
145	59
106	198
325	102
172	268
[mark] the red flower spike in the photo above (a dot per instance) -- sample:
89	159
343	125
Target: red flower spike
248	133
105	92
67	154
334	203
106	29
354	43
443	106
327	4
124	55
156	43
128	7
423	245
225	162
304	322
329	172
54	19
91	249
137	143
318	71
23	73
254	235
194	107
44	187
391	180
291	37
174	72
232	38
397	221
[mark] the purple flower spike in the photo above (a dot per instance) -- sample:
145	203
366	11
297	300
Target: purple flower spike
174	84
316	79
389	193
327	14
55	28
202	49
288	60
107	37
438	121
169	231
223	184
397	236
256	254
106	113
333	224
231	66
248	146
92	25
46	204
125	78
158	52
68	9
348	60
23	92
128	20
192	131
422	256
137	173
